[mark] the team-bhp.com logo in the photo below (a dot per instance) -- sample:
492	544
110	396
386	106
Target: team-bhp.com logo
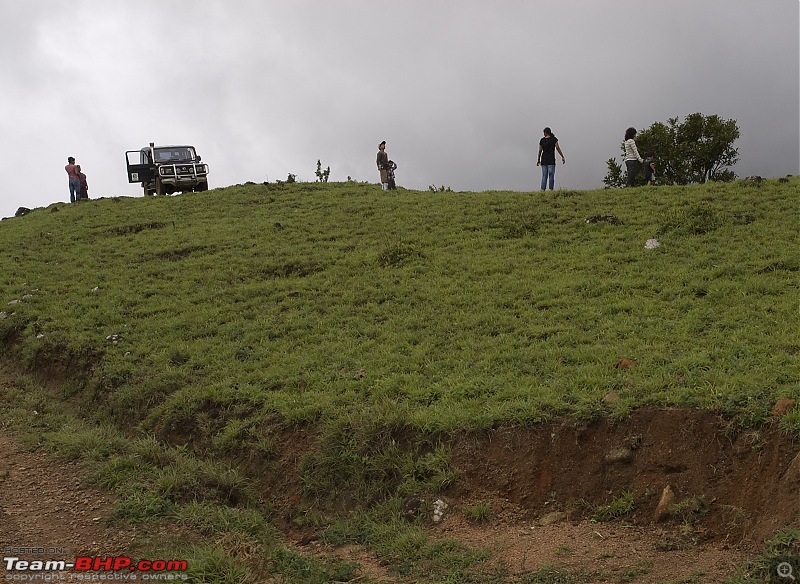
85	565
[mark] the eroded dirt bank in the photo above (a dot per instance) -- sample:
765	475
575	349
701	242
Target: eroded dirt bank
745	484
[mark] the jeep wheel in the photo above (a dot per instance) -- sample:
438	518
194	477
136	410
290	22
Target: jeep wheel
160	190
148	190
203	186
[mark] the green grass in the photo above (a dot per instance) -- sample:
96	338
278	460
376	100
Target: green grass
618	508
467	310
180	339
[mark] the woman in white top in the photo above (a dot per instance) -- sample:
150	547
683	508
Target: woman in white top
633	161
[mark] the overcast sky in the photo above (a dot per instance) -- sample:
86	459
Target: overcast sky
459	89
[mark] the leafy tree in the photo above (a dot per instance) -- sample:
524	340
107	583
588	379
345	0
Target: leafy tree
696	150
614	179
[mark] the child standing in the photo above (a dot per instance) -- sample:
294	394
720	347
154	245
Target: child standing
391	168
649	169
84	194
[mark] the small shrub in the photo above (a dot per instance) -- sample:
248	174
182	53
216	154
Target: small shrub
479	512
690	510
322	175
441	189
694	220
397	255
616	509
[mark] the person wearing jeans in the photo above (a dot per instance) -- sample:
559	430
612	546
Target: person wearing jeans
548	146
74	180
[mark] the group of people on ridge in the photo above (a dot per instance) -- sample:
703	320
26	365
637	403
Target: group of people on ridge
548	146
78	187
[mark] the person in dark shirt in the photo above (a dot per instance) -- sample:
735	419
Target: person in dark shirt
84	194
649	168
547	158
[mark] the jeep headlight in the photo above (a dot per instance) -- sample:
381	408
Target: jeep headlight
167	170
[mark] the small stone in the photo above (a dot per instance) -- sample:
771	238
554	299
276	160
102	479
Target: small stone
439	507
611	397
412	505
619	455
552	518
626	364
664	504
651	244
783	406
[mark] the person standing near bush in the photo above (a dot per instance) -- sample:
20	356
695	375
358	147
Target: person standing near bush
633	160
547	158
74	180
383	165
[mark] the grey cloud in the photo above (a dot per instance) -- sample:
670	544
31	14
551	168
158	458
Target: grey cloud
459	89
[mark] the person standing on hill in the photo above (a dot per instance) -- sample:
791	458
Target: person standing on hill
74	180
633	160
84	185
383	165
547	158
391	167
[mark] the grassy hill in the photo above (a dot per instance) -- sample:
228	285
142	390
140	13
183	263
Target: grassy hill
212	328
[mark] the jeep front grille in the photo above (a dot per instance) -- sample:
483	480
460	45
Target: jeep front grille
183	170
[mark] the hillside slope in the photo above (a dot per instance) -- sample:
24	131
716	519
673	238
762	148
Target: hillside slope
341	347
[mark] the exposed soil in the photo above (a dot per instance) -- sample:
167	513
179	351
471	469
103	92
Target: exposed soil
747	484
542	486
731	492
47	512
44	504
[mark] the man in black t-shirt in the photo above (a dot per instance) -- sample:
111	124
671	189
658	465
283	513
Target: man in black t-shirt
547	158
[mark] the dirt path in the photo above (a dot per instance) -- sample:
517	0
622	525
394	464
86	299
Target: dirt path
603	552
45	505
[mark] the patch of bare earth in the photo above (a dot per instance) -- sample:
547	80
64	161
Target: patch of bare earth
48	513
729	492
44	504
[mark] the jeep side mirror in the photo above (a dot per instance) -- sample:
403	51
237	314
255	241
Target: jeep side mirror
198	158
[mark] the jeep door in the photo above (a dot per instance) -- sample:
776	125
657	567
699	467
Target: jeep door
141	171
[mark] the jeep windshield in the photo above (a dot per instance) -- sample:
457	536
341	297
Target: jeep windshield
174	154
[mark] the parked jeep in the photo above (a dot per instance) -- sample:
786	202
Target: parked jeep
163	170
